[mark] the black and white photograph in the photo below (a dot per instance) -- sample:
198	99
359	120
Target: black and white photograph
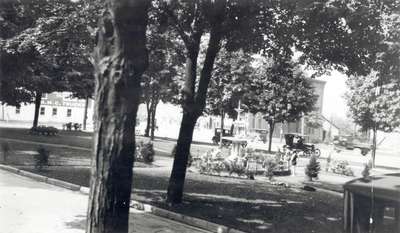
199	116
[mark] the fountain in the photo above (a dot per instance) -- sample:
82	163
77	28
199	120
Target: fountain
238	140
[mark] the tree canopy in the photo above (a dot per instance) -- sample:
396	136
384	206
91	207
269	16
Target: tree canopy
232	69
44	43
280	92
372	105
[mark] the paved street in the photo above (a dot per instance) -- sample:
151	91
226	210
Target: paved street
28	206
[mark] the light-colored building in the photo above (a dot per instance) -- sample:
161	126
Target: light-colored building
56	109
256	121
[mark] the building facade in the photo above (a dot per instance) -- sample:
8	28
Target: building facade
56	109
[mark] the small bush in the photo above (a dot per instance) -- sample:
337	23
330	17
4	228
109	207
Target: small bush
41	158
366	172
270	165
147	152
312	168
342	167
5	149
44	130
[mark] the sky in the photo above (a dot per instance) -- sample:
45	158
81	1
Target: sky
334	102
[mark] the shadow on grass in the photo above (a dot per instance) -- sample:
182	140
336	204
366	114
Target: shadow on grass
252	215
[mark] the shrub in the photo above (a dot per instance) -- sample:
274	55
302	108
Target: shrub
41	158
5	148
313	167
147	152
270	165
44	130
342	167
365	173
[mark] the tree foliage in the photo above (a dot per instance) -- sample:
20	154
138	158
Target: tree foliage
232	69
373	105
44	44
161	80
313	119
279	92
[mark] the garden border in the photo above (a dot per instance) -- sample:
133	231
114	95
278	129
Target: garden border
196	222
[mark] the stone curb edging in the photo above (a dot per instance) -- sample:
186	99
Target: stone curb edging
196	222
200	223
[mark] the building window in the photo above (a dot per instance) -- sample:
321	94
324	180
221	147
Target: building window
54	111
17	110
42	110
69	112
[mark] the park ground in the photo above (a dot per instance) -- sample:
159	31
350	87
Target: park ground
248	205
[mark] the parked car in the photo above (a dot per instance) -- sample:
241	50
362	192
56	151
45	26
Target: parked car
346	141
217	136
295	142
349	142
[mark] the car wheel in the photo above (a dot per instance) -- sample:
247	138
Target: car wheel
317	152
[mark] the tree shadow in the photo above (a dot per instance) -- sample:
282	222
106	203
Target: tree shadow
260	213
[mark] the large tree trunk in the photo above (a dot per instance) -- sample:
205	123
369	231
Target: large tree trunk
120	60
193	107
178	174
373	153
271	132
147	130
85	113
153	120
38	100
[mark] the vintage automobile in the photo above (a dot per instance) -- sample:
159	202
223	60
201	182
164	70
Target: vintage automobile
262	134
217	136
295	141
345	141
350	143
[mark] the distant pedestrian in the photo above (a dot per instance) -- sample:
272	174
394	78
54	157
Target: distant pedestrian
293	160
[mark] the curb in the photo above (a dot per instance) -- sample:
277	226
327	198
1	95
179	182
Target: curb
200	223
196	222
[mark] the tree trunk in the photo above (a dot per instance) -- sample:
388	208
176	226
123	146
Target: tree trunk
373	153
120	59
271	132
178	174
222	127
38	100
153	120
193	107
147	130
85	113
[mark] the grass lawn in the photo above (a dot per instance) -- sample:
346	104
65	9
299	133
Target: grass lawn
65	138
248	205
70	138
251	206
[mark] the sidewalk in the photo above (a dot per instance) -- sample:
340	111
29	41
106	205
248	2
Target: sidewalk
29	206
